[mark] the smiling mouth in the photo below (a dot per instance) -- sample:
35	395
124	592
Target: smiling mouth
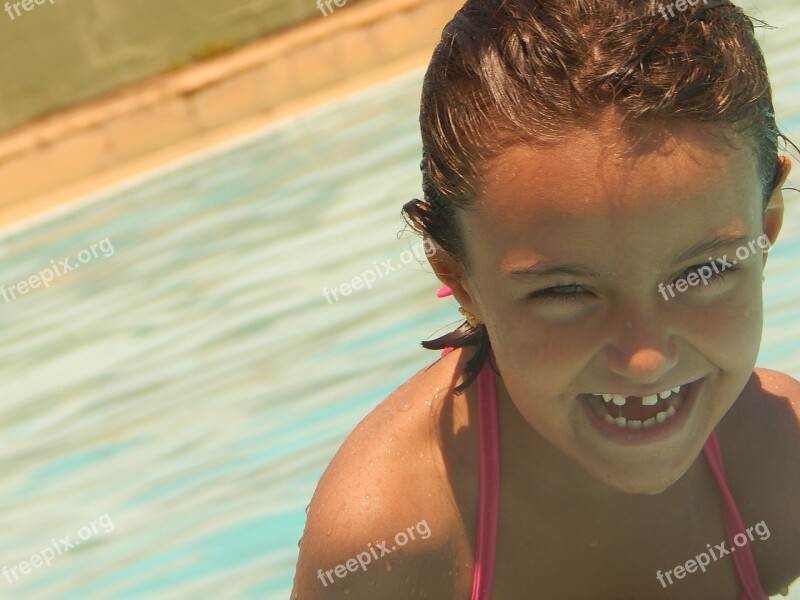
635	412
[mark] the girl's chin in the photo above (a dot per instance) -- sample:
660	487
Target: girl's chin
652	487
651	475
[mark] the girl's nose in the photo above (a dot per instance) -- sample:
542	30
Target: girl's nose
642	349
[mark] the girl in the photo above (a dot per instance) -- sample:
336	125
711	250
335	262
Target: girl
602	185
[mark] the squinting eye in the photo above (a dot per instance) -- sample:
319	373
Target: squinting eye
561	293
707	277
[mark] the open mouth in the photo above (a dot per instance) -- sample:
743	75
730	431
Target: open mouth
642	417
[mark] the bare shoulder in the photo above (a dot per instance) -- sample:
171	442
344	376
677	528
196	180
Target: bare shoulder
769	404
383	521
781	386
769	408
762	456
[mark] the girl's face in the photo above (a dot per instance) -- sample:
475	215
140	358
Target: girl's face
575	254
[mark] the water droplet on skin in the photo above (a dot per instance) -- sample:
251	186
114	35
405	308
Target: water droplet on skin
404	407
388	566
328	532
307	507
298	541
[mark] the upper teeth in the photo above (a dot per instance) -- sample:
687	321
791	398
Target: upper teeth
620	400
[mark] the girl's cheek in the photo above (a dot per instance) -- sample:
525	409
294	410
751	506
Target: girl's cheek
724	333
554	352
738	310
732	327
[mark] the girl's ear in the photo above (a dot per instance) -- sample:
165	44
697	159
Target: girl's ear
773	215
451	273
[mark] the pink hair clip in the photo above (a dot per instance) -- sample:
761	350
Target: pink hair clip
444	292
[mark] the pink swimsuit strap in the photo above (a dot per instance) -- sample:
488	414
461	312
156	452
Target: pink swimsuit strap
489	485
489	492
743	556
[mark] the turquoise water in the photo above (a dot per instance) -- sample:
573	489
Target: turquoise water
191	386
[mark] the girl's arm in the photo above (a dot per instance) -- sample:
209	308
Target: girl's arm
382	521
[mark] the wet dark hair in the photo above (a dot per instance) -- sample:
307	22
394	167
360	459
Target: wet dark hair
510	71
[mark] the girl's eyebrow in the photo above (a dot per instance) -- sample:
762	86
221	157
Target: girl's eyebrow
711	246
546	268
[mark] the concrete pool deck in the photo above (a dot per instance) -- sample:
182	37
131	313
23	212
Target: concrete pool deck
61	158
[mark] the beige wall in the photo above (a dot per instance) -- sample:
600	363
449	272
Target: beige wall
63	52
91	145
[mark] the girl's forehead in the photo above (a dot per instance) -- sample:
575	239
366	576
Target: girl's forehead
582	198
593	171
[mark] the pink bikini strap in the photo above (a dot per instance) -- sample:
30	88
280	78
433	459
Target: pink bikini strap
489	491
743	556
488	476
